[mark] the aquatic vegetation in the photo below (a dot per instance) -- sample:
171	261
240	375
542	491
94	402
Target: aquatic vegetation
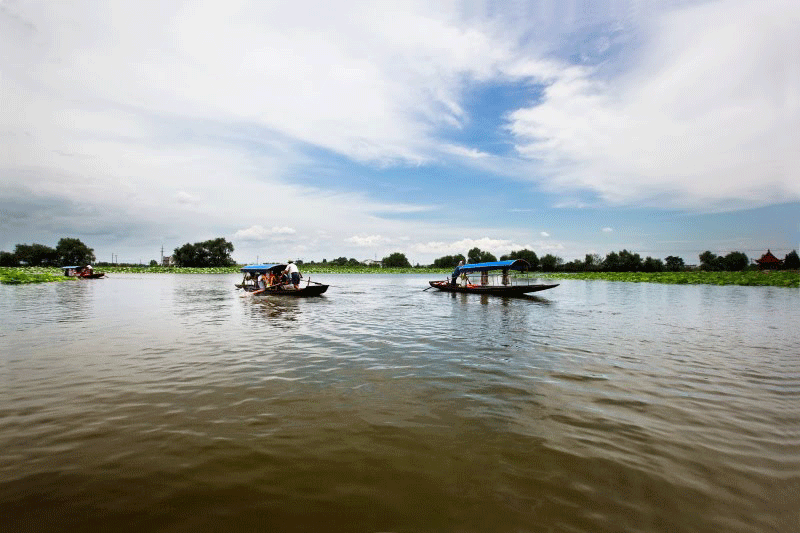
24	275
778	278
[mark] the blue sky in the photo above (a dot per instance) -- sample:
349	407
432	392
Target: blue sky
316	130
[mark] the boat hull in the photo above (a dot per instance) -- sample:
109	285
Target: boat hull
309	290
96	275
496	290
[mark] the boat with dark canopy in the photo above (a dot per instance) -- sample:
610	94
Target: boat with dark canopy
491	278
250	282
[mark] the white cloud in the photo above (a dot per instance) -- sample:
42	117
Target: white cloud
544	234
706	116
260	233
463	151
183	197
607	230
495	246
367	241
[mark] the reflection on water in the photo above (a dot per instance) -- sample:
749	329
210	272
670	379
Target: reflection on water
176	403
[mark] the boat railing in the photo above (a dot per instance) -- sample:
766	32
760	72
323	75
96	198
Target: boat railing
492	279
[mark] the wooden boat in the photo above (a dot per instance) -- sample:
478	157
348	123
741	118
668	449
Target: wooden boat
463	279
250	282
81	273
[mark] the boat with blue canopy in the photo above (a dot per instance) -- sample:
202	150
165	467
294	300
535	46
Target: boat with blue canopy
280	287
491	278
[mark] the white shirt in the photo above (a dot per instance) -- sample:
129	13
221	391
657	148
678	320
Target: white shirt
291	267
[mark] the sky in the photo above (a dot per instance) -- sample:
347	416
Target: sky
314	130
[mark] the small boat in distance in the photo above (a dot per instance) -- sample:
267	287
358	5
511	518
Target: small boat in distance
250	282
490	281
81	272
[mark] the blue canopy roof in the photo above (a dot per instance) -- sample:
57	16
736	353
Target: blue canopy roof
512	264
72	267
258	269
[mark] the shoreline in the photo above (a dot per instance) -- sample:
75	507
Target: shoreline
750	278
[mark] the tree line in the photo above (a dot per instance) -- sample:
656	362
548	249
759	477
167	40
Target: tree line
68	252
622	261
217	253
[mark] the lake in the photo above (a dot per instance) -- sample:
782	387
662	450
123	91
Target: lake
148	402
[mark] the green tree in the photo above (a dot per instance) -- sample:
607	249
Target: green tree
611	263
476	255
339	261
735	261
652	265
550	263
396	260
7	259
629	261
211	253
35	255
711	261
73	252
449	261
674	264
592	262
527	255
791	261
153	263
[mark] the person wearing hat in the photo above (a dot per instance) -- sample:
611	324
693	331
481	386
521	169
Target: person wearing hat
293	272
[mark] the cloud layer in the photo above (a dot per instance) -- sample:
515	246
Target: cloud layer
152	123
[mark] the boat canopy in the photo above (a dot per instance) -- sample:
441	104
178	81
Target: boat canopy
71	268
513	264
260	269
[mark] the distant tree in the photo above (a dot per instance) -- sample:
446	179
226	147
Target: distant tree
629	261
792	261
35	255
7	259
592	262
449	261
353	262
550	263
735	261
576	265
211	253
476	255
527	255
674	264
652	265
153	263
611	263
396	260
73	252
711	261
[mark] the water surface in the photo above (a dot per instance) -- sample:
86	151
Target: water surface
176	403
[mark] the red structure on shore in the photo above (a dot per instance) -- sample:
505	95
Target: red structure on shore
769	261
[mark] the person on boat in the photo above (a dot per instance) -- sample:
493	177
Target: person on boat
263	282
273	279
87	271
294	273
454	276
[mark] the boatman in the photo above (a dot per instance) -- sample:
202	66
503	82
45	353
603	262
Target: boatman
293	273
454	275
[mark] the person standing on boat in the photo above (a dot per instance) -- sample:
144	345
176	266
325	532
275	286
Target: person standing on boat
293	272
454	276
